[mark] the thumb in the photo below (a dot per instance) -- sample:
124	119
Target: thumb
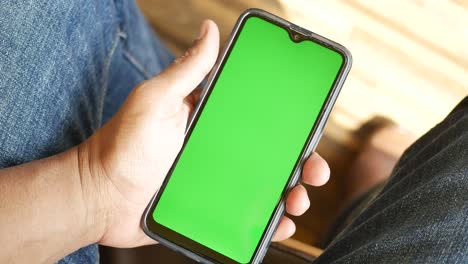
183	76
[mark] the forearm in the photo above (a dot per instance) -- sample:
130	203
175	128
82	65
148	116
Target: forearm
44	212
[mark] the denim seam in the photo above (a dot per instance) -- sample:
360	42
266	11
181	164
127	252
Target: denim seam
138	66
120	34
107	62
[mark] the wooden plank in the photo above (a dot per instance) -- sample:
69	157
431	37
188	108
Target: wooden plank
302	247
304	12
438	25
423	85
460	3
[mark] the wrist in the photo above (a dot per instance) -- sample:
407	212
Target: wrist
49	209
95	212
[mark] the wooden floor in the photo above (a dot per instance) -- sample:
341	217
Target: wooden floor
410	64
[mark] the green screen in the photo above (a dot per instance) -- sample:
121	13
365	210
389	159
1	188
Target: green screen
245	144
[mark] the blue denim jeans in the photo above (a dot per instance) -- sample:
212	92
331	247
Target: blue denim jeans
67	66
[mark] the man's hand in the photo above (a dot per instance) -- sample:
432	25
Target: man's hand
125	162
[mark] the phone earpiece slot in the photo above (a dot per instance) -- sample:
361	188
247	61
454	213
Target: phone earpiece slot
296	33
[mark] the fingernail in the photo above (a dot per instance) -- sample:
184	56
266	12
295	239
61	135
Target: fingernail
203	30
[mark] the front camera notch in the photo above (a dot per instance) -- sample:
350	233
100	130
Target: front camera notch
295	34
296	37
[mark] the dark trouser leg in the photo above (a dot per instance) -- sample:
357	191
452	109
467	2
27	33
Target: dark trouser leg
421	214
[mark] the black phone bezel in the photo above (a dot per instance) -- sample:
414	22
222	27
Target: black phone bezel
202	253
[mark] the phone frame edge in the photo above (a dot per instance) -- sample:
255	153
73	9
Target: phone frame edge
310	146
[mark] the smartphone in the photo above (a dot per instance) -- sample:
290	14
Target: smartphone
260	116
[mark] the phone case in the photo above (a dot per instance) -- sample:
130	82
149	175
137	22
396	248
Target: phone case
312	141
